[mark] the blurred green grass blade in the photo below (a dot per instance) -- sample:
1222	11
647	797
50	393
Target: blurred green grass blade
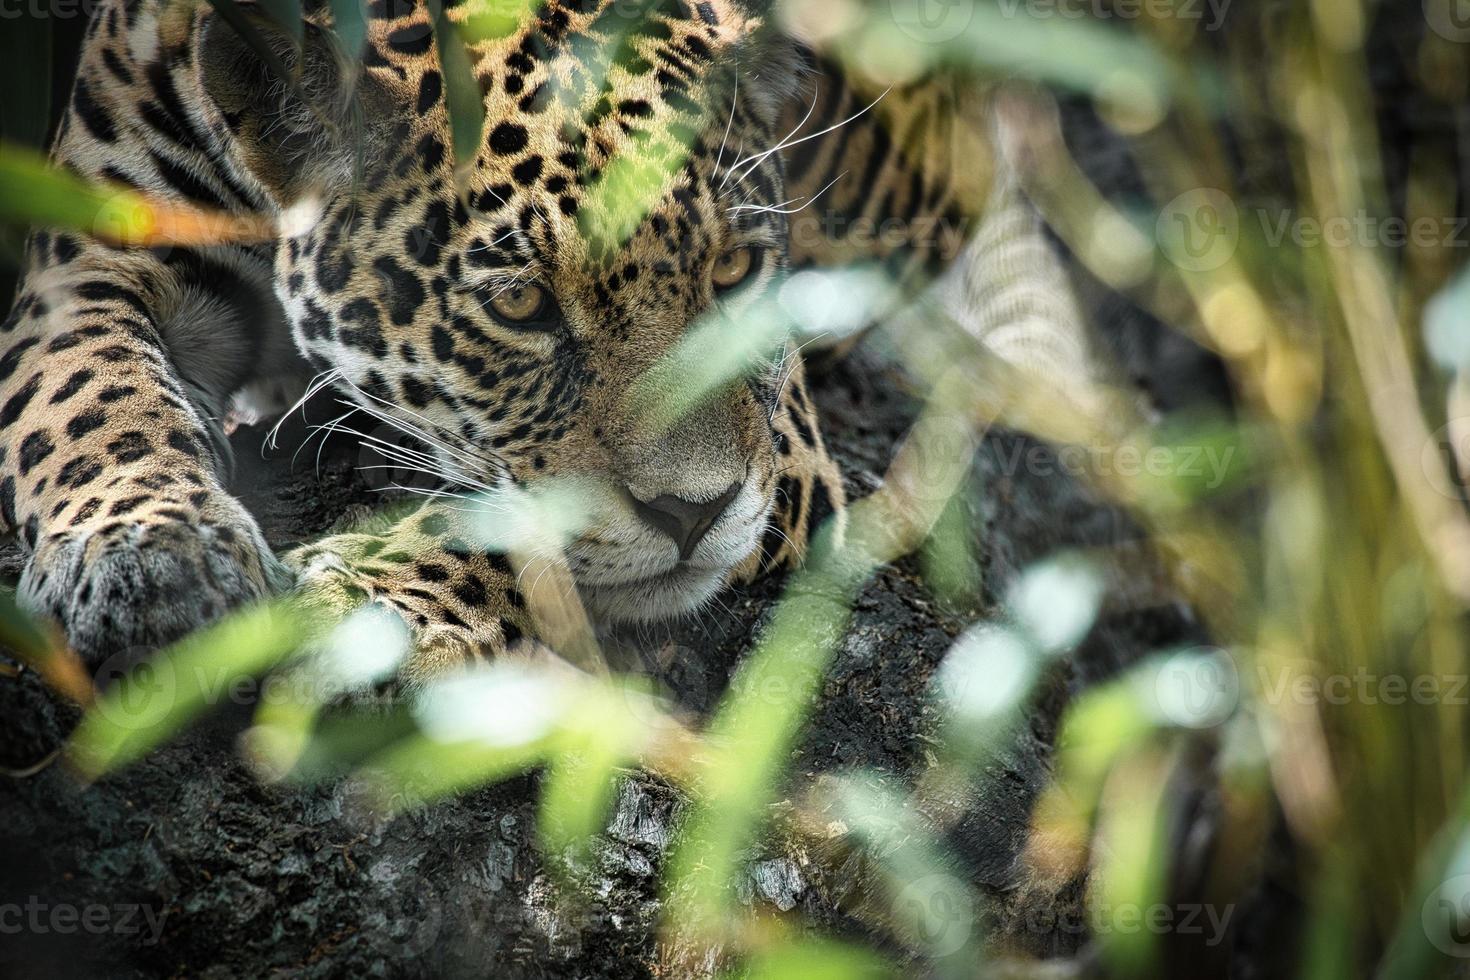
44	650
950	562
349	23
622	194
603	734
421	769
462	97
161	695
756	725
493	19
711	355
1435	912
1129	864
231	13
1081	53
365	649
286	14
476	727
33	192
343	741
815	959
1191	460
18	631
933	910
755	728
575	796
623	189
577	793
1100	726
25	74
1333	925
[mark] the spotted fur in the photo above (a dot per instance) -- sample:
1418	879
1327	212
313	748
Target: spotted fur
119	365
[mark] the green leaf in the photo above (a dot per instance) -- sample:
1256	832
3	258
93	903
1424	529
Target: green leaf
622	193
19	632
286	14
1433	914
231	13
34	193
815	959
462	96
951	564
755	727
43	648
1334	924
487	20
605	730
475	727
712	354
161	695
1079	53
1128	874
349	23
935	912
1099	727
420	769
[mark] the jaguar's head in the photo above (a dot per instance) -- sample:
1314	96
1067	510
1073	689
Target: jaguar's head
517	308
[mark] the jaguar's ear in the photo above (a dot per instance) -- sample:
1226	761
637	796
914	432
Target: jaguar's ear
303	119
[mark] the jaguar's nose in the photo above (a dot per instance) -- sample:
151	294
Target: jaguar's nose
685	521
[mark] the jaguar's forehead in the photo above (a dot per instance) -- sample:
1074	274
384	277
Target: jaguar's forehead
597	125
568	55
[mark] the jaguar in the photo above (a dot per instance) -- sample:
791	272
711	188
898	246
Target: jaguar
501	300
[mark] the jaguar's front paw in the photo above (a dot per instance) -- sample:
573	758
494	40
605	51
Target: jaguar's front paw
460	607
144	580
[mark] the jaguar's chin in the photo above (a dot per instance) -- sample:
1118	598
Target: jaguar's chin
681	589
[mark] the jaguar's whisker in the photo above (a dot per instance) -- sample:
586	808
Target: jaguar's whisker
313	387
816	96
323	429
781	208
757	158
734	100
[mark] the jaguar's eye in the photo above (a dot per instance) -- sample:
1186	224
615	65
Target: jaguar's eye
521	304
731	268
